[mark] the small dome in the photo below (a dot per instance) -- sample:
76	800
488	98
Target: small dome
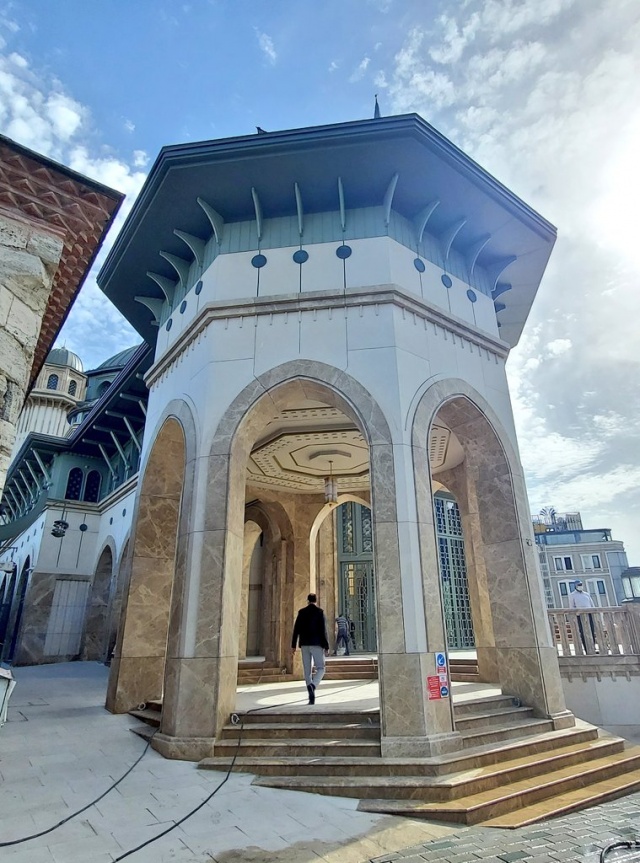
64	357
118	361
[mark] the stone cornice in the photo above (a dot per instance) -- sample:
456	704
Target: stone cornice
378	295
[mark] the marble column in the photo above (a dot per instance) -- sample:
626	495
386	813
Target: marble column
465	493
252	533
410	614
138	667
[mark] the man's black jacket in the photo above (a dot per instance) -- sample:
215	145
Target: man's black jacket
310	628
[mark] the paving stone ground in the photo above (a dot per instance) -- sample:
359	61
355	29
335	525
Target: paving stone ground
61	749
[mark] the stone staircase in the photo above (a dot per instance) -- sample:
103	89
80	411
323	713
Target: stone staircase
513	770
259	671
463	670
352	667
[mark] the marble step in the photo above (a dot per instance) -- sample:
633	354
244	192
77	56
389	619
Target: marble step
148	715
299	748
572	801
306	730
482	705
252	680
499	733
307	715
463	678
511	715
444	787
528	800
467	809
144	731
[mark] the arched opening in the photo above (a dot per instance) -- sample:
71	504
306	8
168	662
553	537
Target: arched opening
480	472
95	642
15	613
92	487
52	382
74	484
138	667
73	386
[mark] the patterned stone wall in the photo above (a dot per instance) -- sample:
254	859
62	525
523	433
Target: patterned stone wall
29	258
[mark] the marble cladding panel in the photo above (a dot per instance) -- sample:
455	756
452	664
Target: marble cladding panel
229	425
35	619
510	597
431	587
401	695
383	485
147	613
389	599
532	675
164	472
134	680
156	526
211	563
182	574
222	473
231	593
190	694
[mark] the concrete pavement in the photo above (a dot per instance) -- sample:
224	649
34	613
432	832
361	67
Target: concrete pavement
60	749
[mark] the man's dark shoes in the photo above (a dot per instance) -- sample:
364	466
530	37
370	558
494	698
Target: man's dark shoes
312	693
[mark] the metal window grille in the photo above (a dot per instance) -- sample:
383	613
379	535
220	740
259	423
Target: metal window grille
453	573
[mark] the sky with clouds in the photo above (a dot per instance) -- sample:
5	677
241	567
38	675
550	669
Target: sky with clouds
544	94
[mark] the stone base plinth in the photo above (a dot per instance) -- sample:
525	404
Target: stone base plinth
183	748
421	747
564	719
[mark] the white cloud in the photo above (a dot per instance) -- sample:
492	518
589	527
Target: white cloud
129	126
543	94
333	66
360	70
140	159
267	47
558	347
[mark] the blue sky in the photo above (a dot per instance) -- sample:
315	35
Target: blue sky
543	93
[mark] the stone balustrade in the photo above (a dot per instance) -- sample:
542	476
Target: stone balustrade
613	631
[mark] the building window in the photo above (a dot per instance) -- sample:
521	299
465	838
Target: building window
73	386
601	588
590	561
52	382
92	487
74	484
563	588
104	386
563	564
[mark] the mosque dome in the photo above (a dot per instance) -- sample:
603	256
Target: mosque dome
119	360
64	357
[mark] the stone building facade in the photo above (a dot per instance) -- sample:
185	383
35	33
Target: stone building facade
52	222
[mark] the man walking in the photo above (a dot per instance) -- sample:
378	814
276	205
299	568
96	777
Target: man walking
310	631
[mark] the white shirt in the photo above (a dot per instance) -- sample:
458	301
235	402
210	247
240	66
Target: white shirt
580	599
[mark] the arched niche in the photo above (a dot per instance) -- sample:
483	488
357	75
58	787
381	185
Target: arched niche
510	623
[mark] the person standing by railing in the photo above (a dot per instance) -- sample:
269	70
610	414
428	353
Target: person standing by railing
581	599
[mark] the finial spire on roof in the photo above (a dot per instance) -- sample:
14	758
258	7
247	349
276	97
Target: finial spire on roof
376	110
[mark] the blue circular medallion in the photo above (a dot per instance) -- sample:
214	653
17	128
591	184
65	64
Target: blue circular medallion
300	257
198	287
446	281
419	265
168	325
83	527
472	295
258	261
343	252
183	306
